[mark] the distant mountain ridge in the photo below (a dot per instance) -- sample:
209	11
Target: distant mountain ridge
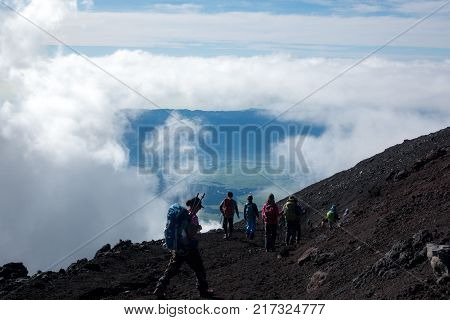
216	185
250	117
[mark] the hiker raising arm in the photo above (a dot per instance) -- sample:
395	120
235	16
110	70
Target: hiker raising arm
180	240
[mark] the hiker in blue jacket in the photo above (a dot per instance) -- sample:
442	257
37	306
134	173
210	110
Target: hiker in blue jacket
250	216
180	239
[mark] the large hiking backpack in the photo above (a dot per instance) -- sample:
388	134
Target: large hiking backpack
228	208
270	214
178	220
250	211
291	212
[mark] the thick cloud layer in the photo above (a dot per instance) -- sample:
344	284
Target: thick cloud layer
63	169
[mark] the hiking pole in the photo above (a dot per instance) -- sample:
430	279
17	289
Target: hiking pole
195	203
198	201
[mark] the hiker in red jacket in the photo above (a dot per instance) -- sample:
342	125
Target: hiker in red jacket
271	215
228	207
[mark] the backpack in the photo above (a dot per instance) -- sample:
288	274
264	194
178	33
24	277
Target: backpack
250	211
330	216
270	214
175	234
228	208
291	212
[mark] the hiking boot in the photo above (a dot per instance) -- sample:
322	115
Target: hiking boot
209	293
225	237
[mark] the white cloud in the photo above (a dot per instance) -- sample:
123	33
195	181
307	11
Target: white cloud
246	29
354	136
175	8
87	4
419	7
366	8
63	173
389	7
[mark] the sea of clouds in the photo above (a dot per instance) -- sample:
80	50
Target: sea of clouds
64	173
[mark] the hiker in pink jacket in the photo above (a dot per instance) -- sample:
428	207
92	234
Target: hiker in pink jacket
271	215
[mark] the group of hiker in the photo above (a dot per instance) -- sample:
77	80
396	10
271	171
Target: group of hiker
271	216
183	225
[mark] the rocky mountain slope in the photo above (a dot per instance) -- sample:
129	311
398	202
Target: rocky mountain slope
399	202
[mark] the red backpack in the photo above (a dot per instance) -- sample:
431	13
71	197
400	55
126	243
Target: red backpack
228	208
270	214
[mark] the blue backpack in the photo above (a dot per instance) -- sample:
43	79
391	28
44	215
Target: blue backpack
175	234
250	211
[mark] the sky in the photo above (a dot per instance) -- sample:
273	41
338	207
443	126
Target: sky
63	169
344	28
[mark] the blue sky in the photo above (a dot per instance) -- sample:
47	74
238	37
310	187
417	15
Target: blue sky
215	6
374	22
301	28
319	7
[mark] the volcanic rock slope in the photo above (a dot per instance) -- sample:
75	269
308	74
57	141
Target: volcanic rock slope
399	200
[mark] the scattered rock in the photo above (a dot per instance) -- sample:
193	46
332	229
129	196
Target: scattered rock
317	280
92	267
77	266
439	256
324	257
122	245
103	250
403	254
310	252
432	155
391	175
13	270
401	175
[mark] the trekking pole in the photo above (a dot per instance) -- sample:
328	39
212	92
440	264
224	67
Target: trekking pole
194	205
199	201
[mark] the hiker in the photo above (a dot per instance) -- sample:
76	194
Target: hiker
345	216
180	239
331	216
292	213
335	212
271	215
228	207
250	216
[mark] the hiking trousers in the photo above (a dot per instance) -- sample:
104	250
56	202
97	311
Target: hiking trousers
194	261
270	236
293	232
228	226
250	229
